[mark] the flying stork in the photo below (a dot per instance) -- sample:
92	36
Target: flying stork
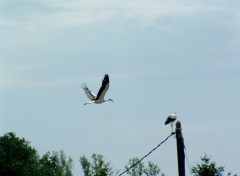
171	119
101	93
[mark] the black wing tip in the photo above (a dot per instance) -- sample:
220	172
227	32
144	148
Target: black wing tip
106	78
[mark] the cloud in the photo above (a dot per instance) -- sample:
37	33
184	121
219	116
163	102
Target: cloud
37	32
35	23
16	76
80	13
19	81
29	75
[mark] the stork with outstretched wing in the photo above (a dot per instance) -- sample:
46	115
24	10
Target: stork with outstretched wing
101	93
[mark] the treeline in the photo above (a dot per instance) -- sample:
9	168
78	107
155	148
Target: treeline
19	158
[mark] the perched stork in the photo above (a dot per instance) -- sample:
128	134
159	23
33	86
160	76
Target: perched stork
101	93
171	119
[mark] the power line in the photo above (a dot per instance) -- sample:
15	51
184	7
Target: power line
134	164
187	161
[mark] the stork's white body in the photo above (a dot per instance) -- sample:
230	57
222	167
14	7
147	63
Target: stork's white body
101	93
171	119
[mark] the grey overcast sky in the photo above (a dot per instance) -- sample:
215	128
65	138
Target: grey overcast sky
162	57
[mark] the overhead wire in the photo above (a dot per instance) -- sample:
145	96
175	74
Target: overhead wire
189	168
134	164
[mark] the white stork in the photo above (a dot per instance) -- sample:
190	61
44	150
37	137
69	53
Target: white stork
101	93
171	119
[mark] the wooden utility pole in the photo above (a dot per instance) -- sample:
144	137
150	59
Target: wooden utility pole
180	150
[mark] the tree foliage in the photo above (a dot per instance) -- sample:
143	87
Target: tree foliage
97	167
55	164
140	169
18	158
137	170
207	168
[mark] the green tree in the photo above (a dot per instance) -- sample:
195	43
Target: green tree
137	170
55	164
17	157
98	166
140	169
152	169
207	168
